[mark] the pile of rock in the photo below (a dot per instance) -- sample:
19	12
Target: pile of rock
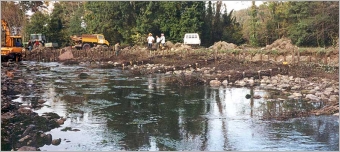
283	44
222	45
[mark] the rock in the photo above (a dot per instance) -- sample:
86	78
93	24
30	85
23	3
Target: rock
296	94
24	110
297	80
327	93
83	75
27	148
225	82
317	88
66	55
312	91
215	83
60	121
304	91
56	141
333	98
318	94
75	130
295	87
274	82
291	97
48	139
257	97
51	115
312	97
329	89
23	139
28	130
41	101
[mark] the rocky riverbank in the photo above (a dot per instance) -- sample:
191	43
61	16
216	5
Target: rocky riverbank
309	81
21	128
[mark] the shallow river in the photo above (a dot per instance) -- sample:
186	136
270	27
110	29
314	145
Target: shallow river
117	112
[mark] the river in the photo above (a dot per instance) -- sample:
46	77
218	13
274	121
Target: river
114	111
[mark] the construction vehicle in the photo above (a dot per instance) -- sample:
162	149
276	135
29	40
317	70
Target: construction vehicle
42	41
86	41
11	45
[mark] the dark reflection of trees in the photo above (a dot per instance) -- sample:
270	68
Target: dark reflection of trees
321	129
167	111
283	110
251	101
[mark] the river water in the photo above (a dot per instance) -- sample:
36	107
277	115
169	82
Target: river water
114	111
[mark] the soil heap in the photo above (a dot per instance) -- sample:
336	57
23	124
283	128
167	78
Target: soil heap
283	44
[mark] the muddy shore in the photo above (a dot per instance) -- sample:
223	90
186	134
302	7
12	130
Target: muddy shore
308	80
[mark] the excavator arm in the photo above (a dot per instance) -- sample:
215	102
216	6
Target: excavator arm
5	28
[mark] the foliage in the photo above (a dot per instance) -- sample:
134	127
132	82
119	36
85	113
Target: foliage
37	23
306	23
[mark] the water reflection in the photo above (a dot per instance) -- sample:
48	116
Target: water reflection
123	113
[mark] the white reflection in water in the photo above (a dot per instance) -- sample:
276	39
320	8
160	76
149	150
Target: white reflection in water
228	121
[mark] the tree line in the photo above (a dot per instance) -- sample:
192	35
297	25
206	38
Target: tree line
306	23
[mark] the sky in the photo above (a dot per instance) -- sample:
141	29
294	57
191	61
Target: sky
238	5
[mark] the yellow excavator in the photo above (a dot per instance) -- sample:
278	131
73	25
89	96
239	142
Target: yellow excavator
11	45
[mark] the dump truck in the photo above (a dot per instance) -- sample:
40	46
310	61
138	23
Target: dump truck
86	41
11	45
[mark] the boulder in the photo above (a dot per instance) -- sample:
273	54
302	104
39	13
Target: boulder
66	55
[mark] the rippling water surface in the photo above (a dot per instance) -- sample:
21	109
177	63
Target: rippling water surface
117	112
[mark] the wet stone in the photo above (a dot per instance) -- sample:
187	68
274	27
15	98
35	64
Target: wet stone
27	148
48	139
56	141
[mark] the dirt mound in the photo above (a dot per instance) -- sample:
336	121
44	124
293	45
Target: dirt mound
281	44
169	44
40	49
222	45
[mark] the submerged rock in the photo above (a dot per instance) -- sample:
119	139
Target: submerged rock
83	75
27	148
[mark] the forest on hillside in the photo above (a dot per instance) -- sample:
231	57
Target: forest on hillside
306	23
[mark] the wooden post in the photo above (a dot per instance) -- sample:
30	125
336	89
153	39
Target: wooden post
268	57
293	57
298	57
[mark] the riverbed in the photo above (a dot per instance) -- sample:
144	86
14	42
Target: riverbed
115	111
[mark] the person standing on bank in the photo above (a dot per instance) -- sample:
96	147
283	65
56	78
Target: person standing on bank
158	42
162	39
117	48
150	39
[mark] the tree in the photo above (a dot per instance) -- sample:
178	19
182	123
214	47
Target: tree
37	23
56	31
12	14
207	30
232	31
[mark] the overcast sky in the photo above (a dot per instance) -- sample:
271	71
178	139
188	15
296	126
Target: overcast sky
238	5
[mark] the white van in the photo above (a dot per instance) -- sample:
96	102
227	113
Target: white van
192	39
